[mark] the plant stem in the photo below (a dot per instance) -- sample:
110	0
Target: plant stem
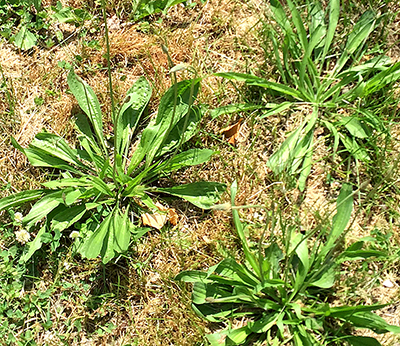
108	61
113	115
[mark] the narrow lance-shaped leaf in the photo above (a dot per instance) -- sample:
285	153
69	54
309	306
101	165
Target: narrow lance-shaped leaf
202	194
233	108
89	103
34	245
122	231
56	146
83	127
174	105
185	129
362	341
190	157
307	163
48	203
317	14
250	257
39	158
257	81
97	243
334	11
356	38
129	115
371	321
298	23
344	207
20	198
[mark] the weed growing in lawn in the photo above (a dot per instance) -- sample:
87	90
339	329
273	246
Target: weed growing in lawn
281	293
332	86
26	22
105	188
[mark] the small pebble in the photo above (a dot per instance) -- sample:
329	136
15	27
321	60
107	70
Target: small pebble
387	283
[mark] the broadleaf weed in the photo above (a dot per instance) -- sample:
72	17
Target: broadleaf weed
312	73
281	293
110	187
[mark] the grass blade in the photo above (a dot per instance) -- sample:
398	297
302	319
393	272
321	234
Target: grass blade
334	10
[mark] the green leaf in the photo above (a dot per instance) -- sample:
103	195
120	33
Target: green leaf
344	207
317	15
34	245
346	311
89	103
202	194
39	158
144	8
334	11
20	198
280	16
190	157
307	162
122	229
361	254
280	159
66	218
265	323
56	146
371	321
217	338
362	341
85	132
355	127
354	148
174	106
137	98
356	39
303	338
24	39
101	186
98	242
185	129
238	336
253	80
273	255
327	277
383	79
298	243
68	182
193	276
111	237
250	257
233	108
298	23
229	268
295	148
43	207
276	108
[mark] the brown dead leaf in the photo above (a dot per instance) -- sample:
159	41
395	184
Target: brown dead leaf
158	220
231	132
172	217
155	220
